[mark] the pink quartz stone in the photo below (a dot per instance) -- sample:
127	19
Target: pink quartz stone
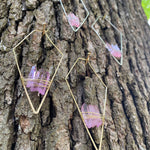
38	80
73	20
91	115
114	50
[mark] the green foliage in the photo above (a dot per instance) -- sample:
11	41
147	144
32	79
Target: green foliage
146	7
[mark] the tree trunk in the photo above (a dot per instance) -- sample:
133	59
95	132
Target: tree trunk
58	126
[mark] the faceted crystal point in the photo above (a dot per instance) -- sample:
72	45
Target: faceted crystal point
38	80
114	50
73	20
91	115
34	88
31	76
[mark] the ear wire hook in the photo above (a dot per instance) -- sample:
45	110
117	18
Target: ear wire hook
105	100
44	28
104	16
87	59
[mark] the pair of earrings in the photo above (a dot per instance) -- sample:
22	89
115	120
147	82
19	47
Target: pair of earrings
74	21
39	81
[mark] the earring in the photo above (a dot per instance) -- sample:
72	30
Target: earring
90	114
37	80
74	20
115	51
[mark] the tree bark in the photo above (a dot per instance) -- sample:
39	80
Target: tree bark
58	126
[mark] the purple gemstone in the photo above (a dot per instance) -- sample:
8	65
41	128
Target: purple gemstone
38	80
34	88
114	50
73	20
91	115
31	76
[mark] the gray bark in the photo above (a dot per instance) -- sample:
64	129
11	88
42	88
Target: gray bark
58	126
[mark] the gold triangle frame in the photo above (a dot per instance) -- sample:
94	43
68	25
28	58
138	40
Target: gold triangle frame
103	117
24	80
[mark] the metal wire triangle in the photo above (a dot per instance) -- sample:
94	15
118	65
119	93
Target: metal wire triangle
22	78
87	12
121	59
66	78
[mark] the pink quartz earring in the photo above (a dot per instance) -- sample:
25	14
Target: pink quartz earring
37	80
75	21
115	51
90	114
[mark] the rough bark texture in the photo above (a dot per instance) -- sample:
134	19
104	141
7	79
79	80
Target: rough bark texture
58	125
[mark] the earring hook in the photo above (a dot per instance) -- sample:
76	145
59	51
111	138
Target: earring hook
104	16
44	25
87	59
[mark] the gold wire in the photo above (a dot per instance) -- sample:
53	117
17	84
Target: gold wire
104	104
44	28
87	61
37	80
91	117
37	85
23	80
104	16
90	113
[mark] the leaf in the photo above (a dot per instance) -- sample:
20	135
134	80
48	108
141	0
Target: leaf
146	7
